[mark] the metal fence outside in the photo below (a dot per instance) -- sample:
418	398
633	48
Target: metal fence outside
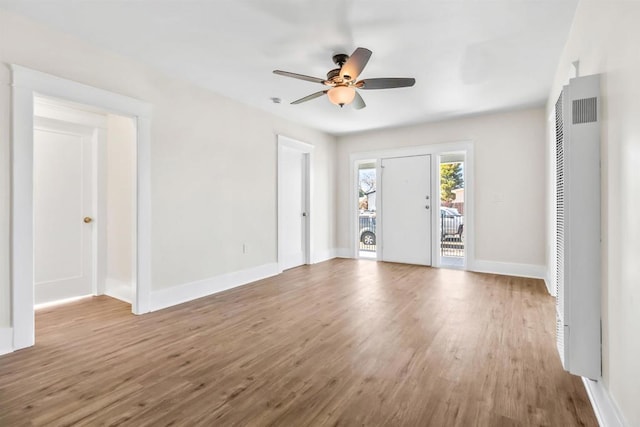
367	232
451	237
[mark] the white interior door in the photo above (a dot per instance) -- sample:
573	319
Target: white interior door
293	217
406	209
63	198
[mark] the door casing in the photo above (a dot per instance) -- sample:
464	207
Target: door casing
434	150
26	85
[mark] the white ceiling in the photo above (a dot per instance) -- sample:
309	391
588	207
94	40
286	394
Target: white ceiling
468	56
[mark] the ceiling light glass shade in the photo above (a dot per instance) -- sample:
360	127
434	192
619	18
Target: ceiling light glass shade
341	95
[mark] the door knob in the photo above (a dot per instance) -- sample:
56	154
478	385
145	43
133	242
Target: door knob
426	207
87	219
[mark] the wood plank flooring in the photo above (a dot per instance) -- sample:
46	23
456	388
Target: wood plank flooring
341	343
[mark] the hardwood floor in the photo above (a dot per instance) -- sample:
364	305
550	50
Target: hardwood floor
339	343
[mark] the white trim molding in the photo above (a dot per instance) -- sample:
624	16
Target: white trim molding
321	256
26	83
6	340
118	289
549	284
605	408
343	253
175	295
509	269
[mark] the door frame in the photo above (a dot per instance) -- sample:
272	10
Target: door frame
26	84
307	151
465	233
434	150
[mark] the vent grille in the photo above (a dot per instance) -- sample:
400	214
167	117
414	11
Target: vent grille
584	111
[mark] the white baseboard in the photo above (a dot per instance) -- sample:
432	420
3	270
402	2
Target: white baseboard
549	283
504	268
509	269
6	340
321	256
118	289
606	410
175	295
343	253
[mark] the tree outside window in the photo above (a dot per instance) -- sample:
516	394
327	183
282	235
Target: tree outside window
451	178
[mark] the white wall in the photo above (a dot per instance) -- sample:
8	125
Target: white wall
213	161
5	195
605	37
509	180
120	175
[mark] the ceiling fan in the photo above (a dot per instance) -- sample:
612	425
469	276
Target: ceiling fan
343	81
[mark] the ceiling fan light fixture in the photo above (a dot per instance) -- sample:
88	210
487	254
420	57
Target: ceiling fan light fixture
342	82
341	95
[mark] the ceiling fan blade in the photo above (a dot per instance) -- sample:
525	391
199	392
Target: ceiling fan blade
386	83
310	97
358	102
299	76
356	63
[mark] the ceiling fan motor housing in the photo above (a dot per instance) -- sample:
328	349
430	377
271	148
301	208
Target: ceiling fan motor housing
333	74
340	58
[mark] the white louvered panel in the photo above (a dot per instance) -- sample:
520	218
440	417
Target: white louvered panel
577	223
559	279
559	205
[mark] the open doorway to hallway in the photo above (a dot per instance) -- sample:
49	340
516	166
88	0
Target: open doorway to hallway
27	85
367	186
452	210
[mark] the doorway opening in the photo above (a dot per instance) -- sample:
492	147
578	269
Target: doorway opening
27	85
294	203
452	209
416	230
84	202
367	212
